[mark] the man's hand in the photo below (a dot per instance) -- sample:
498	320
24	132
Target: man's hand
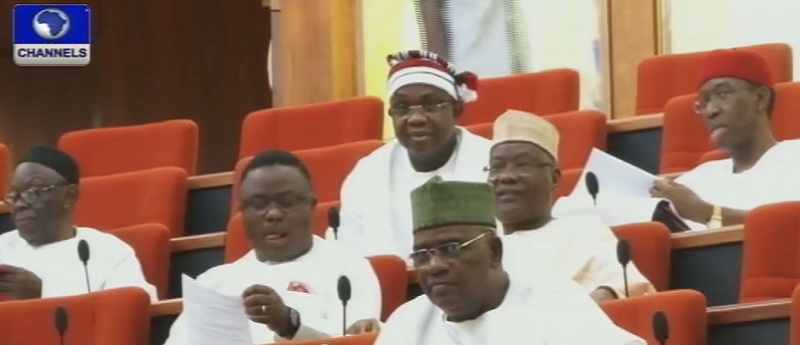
364	326
263	305
686	202
19	283
602	294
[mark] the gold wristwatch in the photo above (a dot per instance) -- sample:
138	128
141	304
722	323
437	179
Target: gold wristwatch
716	218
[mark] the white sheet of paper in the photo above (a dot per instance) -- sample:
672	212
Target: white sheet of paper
213	318
615	177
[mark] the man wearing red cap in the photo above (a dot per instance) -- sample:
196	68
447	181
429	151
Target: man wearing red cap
427	95
735	100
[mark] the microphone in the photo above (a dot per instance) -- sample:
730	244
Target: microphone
660	327
344	290
333	221
624	257
83	254
62	321
592	185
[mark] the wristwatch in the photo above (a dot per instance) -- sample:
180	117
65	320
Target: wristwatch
716	218
294	324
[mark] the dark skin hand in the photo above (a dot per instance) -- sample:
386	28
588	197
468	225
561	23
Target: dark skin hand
364	326
263	305
19	283
690	206
601	294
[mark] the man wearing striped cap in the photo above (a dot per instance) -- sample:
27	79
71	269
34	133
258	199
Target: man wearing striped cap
426	96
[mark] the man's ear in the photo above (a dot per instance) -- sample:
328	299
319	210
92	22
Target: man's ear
313	202
555	178
458	109
70	196
764	98
496	246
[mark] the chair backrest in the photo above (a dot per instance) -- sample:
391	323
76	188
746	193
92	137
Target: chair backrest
115	316
6	167
146	196
769	265
328	167
685	140
685	311
392	273
151	244
542	93
662	77
360	339
312	126
112	150
651	248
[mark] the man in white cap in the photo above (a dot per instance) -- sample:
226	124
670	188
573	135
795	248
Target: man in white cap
427	95
523	168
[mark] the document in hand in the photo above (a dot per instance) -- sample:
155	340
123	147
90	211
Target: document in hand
213	318
623	194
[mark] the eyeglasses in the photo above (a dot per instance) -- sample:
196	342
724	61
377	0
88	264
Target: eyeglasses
447	251
426	108
519	168
284	202
31	195
717	97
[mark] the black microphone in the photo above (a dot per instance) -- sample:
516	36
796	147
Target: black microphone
624	257
660	327
333	221
83	254
592	185
62	321
344	290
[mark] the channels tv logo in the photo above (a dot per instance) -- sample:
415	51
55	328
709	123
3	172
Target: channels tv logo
52	35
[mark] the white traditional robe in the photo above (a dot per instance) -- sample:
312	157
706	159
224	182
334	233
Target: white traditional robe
774	178
376	196
480	42
112	263
551	312
318	270
577	247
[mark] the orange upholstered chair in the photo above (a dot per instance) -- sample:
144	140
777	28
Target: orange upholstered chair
771	237
662	77
151	244
542	93
685	311
794	333
685	139
6	166
393	277
312	126
651	247
116	316
361	339
111	150
580	131
120	200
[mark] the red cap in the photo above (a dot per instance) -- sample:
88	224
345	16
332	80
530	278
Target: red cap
735	63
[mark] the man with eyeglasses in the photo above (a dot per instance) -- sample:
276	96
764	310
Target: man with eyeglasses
469	298
288	281
735	99
523	169
426	98
40	258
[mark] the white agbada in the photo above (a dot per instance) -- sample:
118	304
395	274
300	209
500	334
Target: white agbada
551	312
375	198
577	247
112	263
773	179
480	42
318	270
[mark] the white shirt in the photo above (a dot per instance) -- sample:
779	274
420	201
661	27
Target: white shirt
318	271
773	179
552	312
577	247
112	263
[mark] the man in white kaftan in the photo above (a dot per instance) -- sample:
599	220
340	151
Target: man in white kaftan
470	299
425	101
288	282
523	168
40	258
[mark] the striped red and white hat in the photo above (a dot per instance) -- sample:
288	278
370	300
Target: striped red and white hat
418	67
